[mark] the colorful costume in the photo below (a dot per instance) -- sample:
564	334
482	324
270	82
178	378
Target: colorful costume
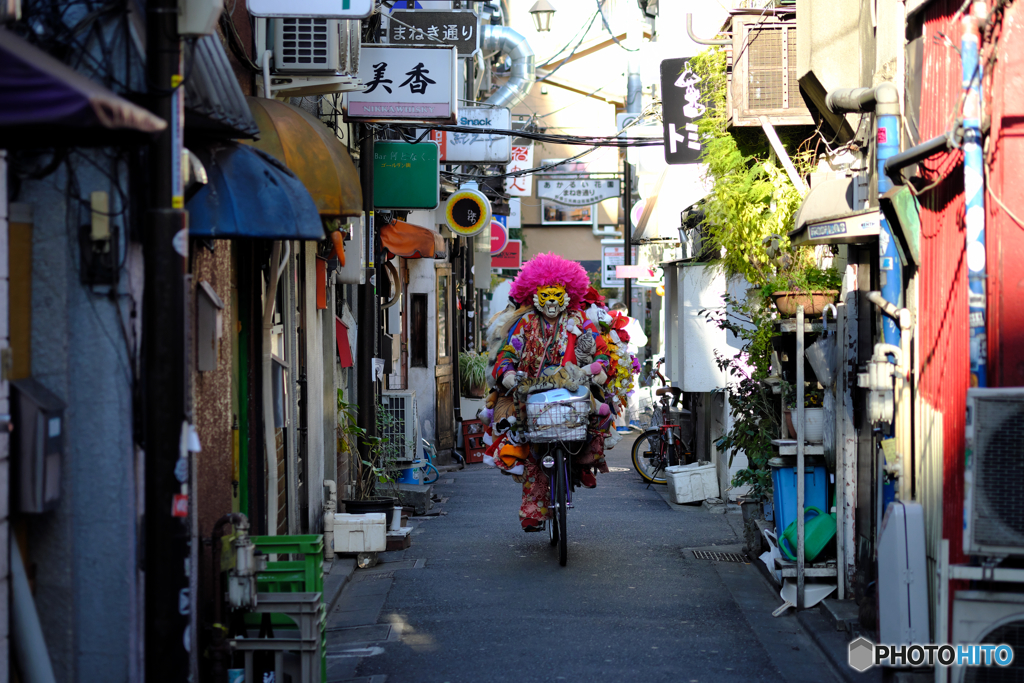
549	345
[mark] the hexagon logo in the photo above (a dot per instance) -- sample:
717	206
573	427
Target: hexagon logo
862	654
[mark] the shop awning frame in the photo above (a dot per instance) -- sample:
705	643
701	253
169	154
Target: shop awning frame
46	103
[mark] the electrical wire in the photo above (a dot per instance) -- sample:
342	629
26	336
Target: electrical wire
585	28
570	55
600	10
594	141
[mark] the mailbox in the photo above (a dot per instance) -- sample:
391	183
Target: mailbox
37	445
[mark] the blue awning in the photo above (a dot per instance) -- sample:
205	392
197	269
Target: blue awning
251	194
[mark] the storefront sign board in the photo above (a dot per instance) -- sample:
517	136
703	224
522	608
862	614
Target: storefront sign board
456	28
510	257
405	84
406	176
476	148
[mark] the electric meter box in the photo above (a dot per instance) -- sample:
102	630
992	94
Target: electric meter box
37	446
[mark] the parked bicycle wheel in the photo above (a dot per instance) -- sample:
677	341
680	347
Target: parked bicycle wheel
561	501
647	457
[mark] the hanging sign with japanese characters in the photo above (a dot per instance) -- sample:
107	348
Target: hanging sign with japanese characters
509	257
405	84
475	148
406	176
681	108
522	158
578	191
457	28
321	9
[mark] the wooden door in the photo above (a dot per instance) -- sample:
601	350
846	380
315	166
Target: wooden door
444	370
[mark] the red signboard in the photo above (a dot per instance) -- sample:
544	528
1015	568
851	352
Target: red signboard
499	237
510	257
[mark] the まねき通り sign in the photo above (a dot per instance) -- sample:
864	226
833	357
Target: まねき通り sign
457	28
405	84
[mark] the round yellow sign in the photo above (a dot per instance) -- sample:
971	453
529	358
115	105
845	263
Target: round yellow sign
467	212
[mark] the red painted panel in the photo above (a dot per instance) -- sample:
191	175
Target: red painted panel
1004	99
943	282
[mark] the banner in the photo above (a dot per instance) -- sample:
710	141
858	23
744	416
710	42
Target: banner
522	158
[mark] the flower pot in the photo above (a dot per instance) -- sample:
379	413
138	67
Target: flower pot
385	504
750	509
814	424
477	391
813	302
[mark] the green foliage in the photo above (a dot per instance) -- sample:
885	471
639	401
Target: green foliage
806	279
606	292
472	372
752	200
380	465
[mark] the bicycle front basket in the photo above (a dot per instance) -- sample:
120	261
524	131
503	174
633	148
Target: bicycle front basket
558	415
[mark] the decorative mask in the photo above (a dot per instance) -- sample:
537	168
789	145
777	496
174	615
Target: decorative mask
551	300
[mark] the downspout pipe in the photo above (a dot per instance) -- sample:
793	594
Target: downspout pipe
915	155
974	192
524	68
884	101
26	630
269	440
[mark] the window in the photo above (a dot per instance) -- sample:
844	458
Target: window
418	331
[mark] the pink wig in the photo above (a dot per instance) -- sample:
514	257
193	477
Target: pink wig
544	270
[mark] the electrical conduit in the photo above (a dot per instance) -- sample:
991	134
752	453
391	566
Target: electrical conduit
974	193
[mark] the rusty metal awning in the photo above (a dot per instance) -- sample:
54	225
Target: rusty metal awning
305	145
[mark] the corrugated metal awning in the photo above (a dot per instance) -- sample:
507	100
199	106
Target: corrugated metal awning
214	102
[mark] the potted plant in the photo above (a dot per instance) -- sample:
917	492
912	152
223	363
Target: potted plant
814	413
808	286
374	488
473	374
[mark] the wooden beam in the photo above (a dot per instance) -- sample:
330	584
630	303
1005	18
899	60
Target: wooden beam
594	47
615	100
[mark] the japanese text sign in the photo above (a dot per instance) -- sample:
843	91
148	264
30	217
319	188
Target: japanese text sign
510	257
409	84
406	176
462	148
323	9
457	28
522	158
681	108
579	191
611	258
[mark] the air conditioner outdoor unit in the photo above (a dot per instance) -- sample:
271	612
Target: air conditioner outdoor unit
987	618
993	477
764	79
314	56
400	425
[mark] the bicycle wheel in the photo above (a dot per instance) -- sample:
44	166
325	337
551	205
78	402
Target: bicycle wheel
561	503
430	473
647	457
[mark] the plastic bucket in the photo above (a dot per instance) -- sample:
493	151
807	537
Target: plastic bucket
819	529
410	475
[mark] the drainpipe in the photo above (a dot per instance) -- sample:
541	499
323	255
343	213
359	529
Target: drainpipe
524	70
26	631
269	440
884	100
974	192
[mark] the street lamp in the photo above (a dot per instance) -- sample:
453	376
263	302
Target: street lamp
542	12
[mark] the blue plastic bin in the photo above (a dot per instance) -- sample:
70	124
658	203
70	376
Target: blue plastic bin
784	493
409	474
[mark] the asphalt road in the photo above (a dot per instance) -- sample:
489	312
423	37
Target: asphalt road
477	599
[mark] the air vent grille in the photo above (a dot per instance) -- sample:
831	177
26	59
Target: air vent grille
305	42
998	469
1011	634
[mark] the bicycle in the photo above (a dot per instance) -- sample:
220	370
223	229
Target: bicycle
428	472
664	445
653	373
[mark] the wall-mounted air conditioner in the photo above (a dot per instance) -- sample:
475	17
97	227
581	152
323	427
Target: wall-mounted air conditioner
994	477
987	618
309	56
400	426
764	79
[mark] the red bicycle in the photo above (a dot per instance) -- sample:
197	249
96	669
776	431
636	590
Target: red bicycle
667	444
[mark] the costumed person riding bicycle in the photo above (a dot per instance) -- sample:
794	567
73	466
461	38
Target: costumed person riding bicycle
545	344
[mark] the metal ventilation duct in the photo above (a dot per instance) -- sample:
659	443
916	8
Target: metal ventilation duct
524	73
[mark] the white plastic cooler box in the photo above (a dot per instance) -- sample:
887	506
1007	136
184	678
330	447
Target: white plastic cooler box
363	533
692	483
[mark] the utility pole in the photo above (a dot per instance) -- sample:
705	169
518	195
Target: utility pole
165	246
627	237
367	337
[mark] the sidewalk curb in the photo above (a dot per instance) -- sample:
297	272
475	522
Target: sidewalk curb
341	572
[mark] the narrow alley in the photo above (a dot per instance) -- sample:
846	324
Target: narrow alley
476	599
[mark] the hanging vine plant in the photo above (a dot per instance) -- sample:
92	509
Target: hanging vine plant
752	202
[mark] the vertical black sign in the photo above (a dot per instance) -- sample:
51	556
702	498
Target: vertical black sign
682	106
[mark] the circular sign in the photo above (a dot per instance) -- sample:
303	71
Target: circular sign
467	212
499	237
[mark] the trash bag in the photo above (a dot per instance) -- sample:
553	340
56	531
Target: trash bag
822	355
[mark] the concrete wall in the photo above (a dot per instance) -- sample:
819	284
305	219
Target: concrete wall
84	349
578	244
422	279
